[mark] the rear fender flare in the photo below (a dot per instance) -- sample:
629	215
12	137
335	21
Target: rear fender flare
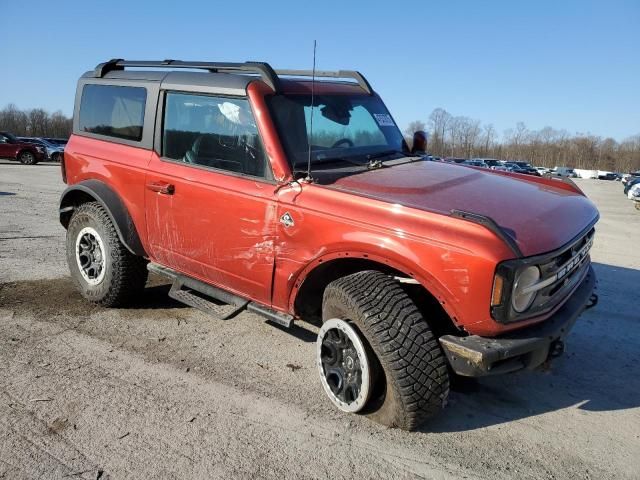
95	190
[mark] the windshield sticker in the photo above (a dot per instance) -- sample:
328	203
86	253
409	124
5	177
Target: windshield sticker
384	119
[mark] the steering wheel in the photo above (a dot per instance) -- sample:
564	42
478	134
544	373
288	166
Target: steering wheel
348	141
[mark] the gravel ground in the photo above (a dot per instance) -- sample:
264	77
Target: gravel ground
163	391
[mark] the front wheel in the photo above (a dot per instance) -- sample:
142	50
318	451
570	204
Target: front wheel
102	268
27	158
398	375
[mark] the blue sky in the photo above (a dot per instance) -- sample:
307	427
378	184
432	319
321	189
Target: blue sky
567	64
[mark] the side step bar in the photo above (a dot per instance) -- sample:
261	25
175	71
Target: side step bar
215	301
200	296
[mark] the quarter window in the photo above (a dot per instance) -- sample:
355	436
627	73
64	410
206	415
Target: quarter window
113	111
216	132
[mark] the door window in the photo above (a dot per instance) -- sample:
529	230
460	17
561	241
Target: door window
216	132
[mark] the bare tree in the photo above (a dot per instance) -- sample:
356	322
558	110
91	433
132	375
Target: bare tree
36	122
438	124
464	137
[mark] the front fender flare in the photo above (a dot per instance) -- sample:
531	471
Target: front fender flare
95	190
430	283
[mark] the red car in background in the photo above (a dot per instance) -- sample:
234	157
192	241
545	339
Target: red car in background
25	153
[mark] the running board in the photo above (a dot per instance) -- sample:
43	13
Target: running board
227	306
282	319
215	301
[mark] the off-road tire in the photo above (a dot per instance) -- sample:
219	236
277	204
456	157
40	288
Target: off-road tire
27	158
411	378
125	273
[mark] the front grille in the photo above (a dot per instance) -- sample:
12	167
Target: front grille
562	273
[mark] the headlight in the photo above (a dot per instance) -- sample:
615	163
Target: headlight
40	149
525	278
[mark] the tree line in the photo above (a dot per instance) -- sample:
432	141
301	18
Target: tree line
35	122
464	137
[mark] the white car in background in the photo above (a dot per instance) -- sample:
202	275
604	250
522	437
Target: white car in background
634	194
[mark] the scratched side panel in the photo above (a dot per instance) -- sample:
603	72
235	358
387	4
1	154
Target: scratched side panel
216	227
454	259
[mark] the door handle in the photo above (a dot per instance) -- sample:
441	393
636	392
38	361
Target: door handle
161	187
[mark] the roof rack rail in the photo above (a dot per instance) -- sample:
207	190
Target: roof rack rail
364	84
263	69
268	74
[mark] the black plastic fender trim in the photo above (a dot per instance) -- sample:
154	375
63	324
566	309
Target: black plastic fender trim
112	203
490	224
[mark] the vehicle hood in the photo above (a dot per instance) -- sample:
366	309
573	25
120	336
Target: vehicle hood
539	216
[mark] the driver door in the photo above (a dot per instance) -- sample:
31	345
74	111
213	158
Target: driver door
211	208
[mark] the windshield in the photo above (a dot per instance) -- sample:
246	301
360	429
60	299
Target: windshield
345	127
9	137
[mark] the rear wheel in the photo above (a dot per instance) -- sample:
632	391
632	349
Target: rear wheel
102	268
405	366
27	158
56	157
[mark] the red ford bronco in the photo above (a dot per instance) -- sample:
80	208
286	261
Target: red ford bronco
296	198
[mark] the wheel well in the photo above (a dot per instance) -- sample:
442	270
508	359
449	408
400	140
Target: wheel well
73	199
308	302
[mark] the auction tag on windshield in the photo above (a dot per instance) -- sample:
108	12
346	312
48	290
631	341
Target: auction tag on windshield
384	119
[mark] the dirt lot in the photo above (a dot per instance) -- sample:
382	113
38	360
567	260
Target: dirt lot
163	391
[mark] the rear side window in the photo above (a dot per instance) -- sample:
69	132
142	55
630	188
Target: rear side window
113	111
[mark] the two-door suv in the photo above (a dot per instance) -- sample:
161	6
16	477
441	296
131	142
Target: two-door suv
292	194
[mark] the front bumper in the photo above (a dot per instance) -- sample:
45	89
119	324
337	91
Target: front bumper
475	356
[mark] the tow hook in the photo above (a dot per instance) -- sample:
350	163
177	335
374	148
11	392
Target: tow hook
593	301
556	349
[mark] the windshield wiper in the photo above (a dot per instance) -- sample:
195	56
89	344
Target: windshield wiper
372	162
384	153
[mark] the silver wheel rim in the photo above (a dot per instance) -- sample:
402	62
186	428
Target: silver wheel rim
90	256
28	157
343	365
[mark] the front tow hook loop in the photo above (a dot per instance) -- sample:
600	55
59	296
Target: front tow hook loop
593	301
556	349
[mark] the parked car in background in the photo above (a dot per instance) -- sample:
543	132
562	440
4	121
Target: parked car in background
542	170
630	183
15	149
630	176
513	167
454	160
475	163
607	176
53	151
563	172
57	141
491	162
526	168
634	192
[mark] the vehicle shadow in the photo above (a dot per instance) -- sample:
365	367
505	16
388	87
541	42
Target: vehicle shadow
156	296
599	372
